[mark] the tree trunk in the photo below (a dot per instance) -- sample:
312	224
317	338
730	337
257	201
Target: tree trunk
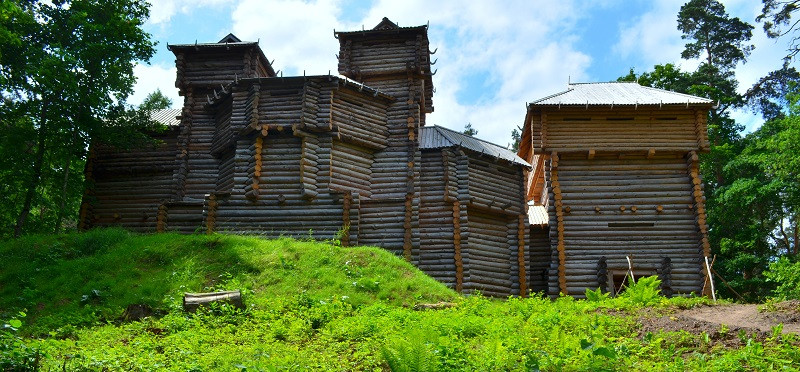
66	181
37	173
796	248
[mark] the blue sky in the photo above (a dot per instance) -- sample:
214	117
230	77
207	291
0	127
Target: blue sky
493	57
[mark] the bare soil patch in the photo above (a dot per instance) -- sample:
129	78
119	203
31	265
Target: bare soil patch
728	324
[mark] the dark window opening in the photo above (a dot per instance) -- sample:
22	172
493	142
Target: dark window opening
620	119
619	280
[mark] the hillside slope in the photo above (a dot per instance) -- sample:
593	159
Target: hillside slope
317	306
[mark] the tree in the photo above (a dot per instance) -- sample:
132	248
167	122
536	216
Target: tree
469	130
777	18
65	73
516	136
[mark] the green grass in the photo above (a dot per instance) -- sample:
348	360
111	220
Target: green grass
313	306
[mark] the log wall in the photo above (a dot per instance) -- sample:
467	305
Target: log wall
619	129
612	207
130	184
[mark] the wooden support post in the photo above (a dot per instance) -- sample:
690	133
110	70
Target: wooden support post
211	215
692	161
457	246
710	279
347	200
523	282
407	230
544	131
253	191
161	218
562	256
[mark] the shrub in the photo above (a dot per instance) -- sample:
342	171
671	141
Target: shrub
644	293
786	274
15	355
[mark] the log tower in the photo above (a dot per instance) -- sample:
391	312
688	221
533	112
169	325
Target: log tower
394	60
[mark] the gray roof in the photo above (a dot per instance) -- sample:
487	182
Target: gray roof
618	93
436	137
167	117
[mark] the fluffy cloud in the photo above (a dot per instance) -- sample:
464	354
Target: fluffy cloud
149	78
162	11
298	35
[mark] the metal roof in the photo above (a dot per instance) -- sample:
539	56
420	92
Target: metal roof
168	117
618	94
436	137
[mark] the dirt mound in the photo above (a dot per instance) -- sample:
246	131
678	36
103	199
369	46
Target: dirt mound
732	324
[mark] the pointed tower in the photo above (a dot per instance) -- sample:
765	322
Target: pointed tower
394	60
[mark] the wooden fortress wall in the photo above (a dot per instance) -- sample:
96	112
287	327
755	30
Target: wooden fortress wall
624	183
259	154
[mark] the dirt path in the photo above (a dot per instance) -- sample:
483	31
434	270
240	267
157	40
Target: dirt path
746	316
736	318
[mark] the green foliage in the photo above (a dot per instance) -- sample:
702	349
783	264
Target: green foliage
469	130
66	68
304	313
786	274
645	292
15	354
596	295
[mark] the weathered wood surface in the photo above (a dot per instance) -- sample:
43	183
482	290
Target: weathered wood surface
613	208
193	301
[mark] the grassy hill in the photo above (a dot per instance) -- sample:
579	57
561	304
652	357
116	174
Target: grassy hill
315	305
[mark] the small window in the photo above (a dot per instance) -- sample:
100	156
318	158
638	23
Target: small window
620	119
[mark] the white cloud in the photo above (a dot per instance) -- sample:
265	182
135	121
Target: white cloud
653	37
298	35
162	11
149	78
525	50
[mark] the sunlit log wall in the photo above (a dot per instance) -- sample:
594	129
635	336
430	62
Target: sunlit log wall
325	157
621	184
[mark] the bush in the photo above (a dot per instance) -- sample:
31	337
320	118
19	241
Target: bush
786	274
644	293
15	355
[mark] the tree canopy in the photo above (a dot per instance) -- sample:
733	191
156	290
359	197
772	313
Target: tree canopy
66	70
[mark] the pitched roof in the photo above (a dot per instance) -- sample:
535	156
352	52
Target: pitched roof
436	137
168	117
618	94
384	26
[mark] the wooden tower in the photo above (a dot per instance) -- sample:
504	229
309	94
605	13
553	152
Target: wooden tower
616	166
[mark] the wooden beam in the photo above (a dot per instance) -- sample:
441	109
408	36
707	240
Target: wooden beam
562	257
692	162
523	281
161	218
211	214
457	246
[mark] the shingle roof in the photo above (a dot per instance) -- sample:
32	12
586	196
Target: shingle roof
618	94
167	117
436	137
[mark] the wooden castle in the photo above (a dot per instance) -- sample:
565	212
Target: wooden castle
616	167
350	157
